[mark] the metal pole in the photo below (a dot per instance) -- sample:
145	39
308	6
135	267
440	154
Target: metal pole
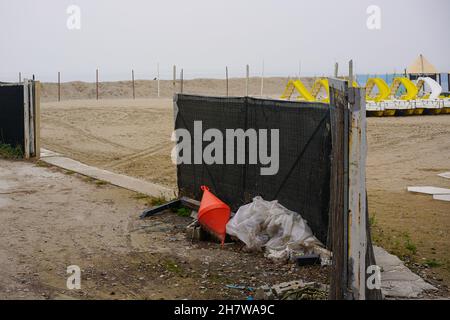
262	80
247	79
336	69
96	82
174	82
226	75
59	86
20	77
158	81
181	79
132	81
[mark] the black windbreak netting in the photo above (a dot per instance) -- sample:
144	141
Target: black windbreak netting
12	115
302	181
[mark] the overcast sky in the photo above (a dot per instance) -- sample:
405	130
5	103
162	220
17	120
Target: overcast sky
203	36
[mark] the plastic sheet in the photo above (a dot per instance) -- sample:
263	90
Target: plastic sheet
270	226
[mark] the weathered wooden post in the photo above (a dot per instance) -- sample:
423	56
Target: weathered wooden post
226	77
262	79
59	86
159	88
181	80
339	187
350	232
96	82
247	79
357	232
132	81
174	81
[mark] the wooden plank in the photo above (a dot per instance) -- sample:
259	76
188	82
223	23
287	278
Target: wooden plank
37	118
31	118
429	190
338	214
357	195
26	120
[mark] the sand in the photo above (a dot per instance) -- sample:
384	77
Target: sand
273	87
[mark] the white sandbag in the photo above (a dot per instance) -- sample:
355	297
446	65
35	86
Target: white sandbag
268	224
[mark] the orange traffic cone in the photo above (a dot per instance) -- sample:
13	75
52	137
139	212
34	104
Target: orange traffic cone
213	214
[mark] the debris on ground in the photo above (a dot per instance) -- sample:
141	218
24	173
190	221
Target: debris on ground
282	233
293	290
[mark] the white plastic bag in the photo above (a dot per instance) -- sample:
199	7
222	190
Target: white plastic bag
248	223
268	224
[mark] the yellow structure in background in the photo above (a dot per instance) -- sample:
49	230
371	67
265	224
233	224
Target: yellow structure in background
297	85
385	101
319	85
411	89
383	90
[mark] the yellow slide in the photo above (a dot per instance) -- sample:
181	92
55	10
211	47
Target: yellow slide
303	93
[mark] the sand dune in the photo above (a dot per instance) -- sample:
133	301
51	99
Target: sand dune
273	87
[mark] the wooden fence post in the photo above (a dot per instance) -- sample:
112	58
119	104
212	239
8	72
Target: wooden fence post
247	79
37	119
181	80
96	82
159	88
338	188
262	80
59	86
357	233
26	118
174	81
132	81
226	77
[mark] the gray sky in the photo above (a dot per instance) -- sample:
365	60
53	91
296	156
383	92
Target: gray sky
203	36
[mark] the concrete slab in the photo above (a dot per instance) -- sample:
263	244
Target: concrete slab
429	190
444	175
120	180
396	279
442	197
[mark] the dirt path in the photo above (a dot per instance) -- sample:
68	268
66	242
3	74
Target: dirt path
50	219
